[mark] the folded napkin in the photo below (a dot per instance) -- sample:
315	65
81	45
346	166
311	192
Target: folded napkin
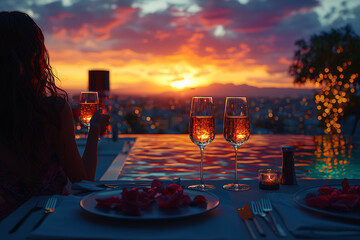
305	224
96	185
69	221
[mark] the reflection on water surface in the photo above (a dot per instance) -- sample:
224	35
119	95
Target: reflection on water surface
171	156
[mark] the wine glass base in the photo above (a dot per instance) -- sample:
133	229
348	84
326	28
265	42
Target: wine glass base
236	187
201	187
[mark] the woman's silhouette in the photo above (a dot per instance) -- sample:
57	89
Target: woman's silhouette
38	152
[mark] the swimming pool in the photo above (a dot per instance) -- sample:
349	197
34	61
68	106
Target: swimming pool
174	155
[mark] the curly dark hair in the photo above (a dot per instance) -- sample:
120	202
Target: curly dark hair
26	80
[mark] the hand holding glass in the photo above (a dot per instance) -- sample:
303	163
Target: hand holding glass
89	104
202	130
236	132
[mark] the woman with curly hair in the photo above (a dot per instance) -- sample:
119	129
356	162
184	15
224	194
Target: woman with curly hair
37	135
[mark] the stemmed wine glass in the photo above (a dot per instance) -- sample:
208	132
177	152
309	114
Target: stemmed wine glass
236	132
89	104
202	130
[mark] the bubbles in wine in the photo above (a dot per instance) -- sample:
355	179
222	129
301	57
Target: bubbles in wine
87	110
236	130
202	130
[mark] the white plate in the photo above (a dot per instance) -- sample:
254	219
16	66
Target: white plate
299	198
89	203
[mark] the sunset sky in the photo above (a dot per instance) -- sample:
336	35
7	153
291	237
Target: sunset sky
152	46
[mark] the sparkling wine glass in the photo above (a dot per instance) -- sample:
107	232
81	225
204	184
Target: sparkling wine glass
236	132
202	130
89	104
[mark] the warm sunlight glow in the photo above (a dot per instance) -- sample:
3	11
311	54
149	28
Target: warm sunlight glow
152	74
186	82
159	46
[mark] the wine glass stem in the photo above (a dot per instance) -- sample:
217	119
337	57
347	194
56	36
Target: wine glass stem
201	164
236	165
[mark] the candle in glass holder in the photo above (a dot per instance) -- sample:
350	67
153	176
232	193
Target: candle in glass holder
268	179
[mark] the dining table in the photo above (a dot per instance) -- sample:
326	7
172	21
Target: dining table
71	221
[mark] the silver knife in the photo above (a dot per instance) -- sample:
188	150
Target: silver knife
245	216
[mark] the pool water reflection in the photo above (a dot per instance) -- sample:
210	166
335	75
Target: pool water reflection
174	155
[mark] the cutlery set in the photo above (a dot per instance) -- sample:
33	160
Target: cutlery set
266	207
260	208
47	206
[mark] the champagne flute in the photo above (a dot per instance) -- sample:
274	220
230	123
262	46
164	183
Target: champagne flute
236	132
89	104
202	130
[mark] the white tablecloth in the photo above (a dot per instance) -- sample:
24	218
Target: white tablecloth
70	221
305	224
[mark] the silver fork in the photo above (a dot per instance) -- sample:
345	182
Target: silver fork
49	208
255	206
266	207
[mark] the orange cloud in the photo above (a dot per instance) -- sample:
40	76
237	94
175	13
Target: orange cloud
99	32
161	35
122	16
213	18
284	60
60	17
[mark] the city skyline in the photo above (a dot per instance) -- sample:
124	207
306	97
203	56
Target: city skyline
168	45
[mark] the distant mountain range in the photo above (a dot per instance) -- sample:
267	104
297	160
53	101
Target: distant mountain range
222	90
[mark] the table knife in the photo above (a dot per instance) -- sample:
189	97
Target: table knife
245	216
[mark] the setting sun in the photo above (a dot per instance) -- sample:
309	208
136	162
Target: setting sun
181	84
174	45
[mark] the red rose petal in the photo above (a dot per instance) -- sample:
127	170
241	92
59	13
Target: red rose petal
131	195
147	195
354	189
157	186
185	199
343	200
310	195
323	197
326	189
172	188
333	196
170	200
130	208
199	201
136	199
316	202
350	197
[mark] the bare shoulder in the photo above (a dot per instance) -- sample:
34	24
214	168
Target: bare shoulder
58	106
56	102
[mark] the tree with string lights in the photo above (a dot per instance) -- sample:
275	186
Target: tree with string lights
331	61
